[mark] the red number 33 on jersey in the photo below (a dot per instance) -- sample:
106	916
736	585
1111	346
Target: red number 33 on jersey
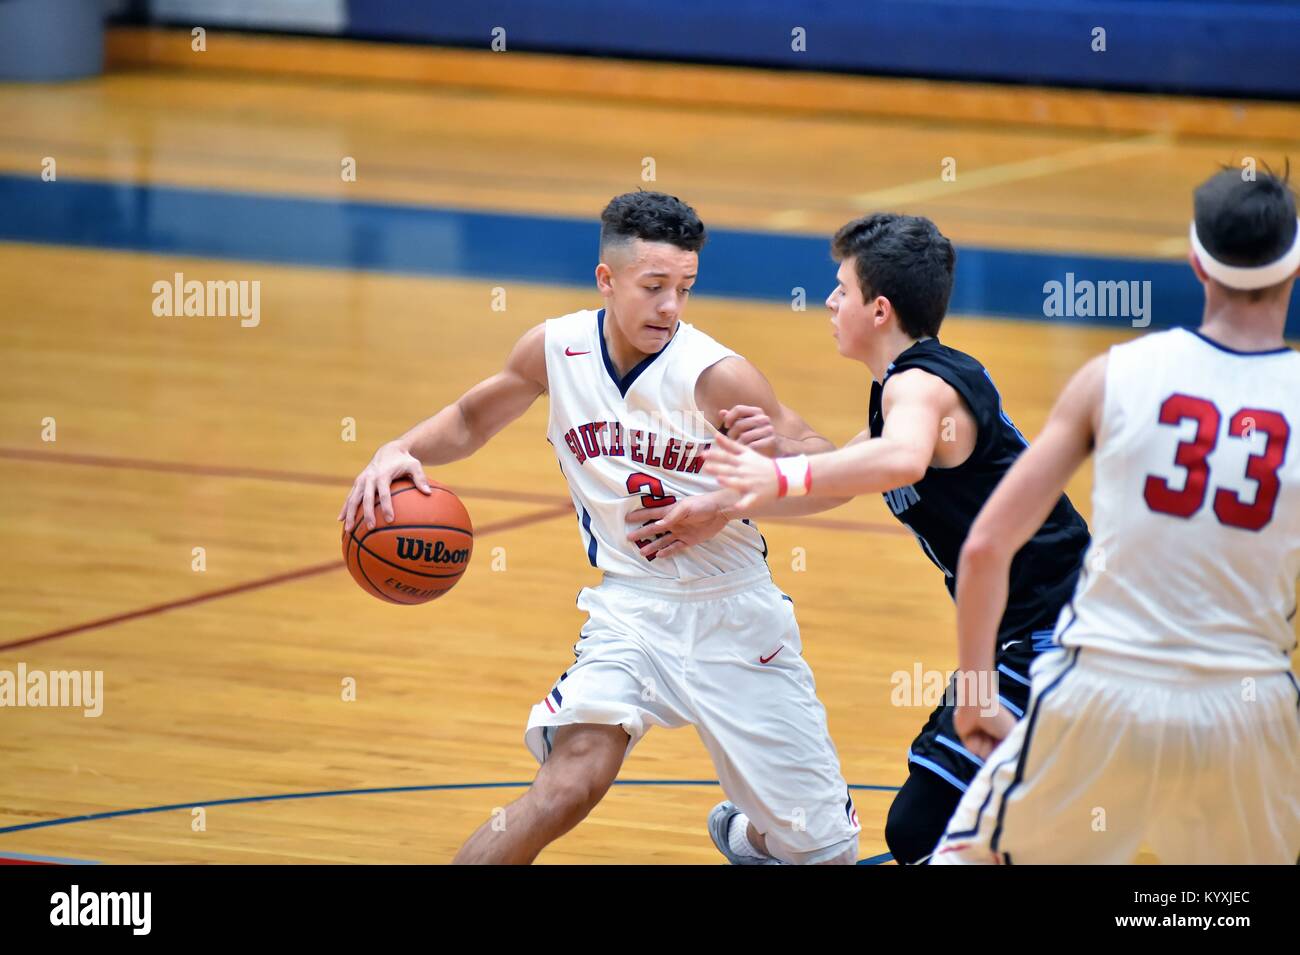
1193	456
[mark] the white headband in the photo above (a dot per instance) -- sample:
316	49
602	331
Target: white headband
1251	277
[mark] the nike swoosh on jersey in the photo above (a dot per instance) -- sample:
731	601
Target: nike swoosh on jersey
773	656
572	353
1011	643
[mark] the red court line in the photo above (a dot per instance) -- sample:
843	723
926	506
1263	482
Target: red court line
300	573
305	477
260	474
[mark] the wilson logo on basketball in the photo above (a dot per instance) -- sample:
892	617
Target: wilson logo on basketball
412	548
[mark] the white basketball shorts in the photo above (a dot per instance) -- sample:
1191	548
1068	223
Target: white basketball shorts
1115	753
721	654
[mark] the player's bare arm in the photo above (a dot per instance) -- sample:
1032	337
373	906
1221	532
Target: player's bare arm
919	409
1012	515
455	432
741	403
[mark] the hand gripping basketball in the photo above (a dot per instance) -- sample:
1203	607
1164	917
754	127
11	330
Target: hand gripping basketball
390	462
419	544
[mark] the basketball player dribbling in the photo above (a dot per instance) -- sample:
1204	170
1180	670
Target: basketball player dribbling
936	444
1169	716
699	636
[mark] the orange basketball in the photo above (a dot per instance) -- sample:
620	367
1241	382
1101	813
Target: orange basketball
421	554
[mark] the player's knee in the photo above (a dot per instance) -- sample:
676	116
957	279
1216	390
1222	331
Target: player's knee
580	770
567	800
842	853
567	792
918	816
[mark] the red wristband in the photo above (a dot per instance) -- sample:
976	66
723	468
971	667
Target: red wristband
782	485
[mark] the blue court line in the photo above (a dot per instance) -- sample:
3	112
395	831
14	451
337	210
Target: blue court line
237	800
500	247
92	817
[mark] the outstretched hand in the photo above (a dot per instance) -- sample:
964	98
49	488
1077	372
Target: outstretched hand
743	470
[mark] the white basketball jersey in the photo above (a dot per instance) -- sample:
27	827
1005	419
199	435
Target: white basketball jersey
1196	507
636	442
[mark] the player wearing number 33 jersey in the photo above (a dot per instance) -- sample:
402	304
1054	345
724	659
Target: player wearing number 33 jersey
1168	717
1196	508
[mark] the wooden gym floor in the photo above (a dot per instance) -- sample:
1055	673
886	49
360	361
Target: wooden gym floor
223	687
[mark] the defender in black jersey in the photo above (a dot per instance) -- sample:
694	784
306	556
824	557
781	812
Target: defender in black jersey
940	509
937	443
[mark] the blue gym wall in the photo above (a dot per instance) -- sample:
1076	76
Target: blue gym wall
1228	47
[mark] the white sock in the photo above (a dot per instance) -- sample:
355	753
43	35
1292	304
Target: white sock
738	838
